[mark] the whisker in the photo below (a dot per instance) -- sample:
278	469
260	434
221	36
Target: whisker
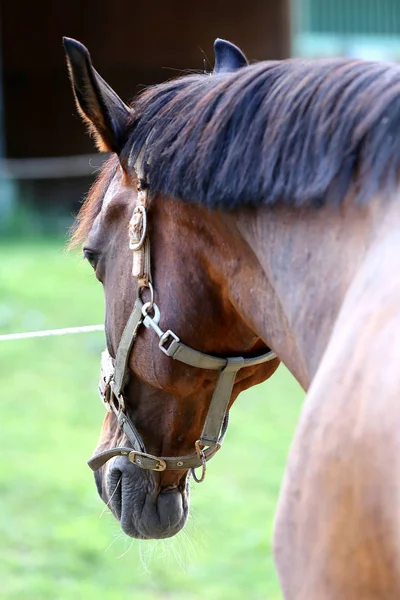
189	543
119	536
143	556
107	505
176	554
127	550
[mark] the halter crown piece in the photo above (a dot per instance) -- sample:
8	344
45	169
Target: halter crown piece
114	374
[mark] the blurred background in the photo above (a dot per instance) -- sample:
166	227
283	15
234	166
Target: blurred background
56	539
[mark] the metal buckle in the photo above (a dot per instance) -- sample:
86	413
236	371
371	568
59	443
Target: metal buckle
161	465
138	221
106	378
164	339
149	321
106	397
116	403
121	403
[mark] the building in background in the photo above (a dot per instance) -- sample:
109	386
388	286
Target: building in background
133	44
361	28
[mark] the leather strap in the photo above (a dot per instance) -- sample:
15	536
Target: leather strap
194	358
119	378
128	338
150	462
219	402
179	351
130	431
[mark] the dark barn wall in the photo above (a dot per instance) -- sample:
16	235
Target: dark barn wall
132	43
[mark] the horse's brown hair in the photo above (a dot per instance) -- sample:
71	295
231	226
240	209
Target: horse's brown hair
298	132
92	205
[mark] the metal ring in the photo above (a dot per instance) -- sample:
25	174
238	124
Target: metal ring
201	455
203	471
148	307
148	285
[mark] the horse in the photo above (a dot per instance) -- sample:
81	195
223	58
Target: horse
265	224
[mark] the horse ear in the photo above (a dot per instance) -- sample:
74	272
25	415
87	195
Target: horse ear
228	57
100	107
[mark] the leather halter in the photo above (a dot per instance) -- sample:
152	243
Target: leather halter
114	377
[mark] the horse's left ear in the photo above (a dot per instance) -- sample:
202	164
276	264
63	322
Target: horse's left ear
228	57
101	108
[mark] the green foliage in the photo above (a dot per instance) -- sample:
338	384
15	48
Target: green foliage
58	542
23	219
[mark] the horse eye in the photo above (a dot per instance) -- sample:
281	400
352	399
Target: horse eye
91	257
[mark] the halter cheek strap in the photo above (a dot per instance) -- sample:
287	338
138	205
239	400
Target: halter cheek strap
113	377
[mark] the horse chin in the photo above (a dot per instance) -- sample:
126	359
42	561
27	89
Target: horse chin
145	510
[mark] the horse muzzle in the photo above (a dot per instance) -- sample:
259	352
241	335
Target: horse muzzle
145	507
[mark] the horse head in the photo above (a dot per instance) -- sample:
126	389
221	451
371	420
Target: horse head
177	266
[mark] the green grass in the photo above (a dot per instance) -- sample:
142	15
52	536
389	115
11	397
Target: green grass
56	541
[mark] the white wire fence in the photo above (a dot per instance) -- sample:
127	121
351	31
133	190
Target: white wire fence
46	168
50	332
52	167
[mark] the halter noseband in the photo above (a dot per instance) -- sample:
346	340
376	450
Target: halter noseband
114	374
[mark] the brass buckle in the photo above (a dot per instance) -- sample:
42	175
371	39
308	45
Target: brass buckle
161	465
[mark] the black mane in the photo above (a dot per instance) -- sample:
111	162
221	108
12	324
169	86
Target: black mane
298	132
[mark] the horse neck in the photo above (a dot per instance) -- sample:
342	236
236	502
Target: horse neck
345	456
307	259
